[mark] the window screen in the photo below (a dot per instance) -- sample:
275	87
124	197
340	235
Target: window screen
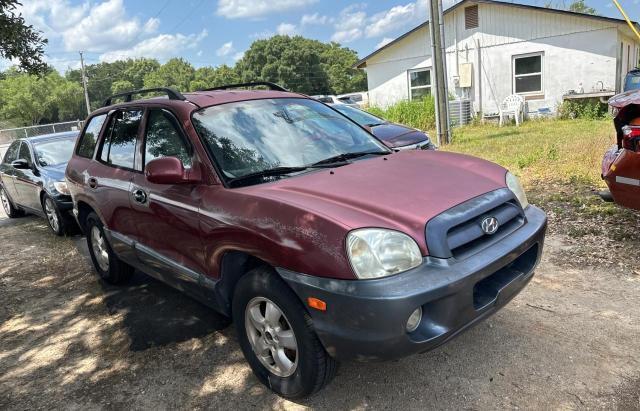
527	74
119	147
419	83
162	139
90	137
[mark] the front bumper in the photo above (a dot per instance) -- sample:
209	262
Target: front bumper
365	319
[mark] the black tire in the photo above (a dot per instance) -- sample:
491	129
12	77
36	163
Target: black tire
315	368
7	205
115	271
56	221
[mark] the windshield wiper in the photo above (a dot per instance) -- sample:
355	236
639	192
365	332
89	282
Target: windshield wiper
374	124
344	157
272	172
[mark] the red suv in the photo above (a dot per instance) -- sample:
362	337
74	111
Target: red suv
320	242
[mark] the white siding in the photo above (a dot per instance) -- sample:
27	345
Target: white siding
579	52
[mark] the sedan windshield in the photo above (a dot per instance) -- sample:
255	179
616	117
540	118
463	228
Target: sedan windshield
285	135
54	152
361	117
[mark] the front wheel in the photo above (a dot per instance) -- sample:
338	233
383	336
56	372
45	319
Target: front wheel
110	268
55	220
277	337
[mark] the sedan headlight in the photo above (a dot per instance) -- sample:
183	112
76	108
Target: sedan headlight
61	187
376	252
514	185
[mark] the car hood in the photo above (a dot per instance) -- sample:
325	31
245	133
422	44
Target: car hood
54	173
397	135
401	191
622	100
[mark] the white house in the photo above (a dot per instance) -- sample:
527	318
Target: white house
495	49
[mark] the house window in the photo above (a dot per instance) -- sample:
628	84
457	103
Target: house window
527	74
471	17
419	83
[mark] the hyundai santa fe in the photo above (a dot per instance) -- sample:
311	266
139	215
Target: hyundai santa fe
322	244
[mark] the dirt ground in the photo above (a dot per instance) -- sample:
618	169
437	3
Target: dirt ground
570	340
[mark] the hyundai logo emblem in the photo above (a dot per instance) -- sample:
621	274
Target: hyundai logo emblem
490	225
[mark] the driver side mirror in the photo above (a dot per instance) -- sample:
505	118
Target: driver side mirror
167	170
20	164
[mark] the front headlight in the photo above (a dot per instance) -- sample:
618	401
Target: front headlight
376	252
61	187
514	185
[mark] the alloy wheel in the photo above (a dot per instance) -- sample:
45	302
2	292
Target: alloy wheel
52	216
271	336
99	246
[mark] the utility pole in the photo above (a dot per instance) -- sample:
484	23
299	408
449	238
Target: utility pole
440	69
84	84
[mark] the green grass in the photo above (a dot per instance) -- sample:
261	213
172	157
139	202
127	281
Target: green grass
418	114
551	151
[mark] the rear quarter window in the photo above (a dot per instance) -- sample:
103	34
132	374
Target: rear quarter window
88	140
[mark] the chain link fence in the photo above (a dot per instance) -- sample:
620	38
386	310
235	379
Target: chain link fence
10	134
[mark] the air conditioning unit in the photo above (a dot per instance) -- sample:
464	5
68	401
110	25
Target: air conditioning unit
460	112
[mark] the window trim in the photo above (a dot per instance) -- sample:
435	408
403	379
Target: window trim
98	139
100	144
416	70
174	121
540	73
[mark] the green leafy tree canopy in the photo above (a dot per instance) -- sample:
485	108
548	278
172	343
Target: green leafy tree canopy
19	40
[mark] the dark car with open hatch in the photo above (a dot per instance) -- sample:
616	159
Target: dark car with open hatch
32	179
320	242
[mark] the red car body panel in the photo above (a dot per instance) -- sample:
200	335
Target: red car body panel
621	164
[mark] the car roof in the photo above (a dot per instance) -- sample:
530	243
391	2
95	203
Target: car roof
52	136
207	98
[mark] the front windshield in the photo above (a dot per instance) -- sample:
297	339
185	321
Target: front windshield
54	152
257	135
361	117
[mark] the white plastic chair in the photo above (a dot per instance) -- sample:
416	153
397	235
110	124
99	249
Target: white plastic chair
512	105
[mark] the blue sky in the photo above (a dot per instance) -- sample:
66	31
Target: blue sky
213	32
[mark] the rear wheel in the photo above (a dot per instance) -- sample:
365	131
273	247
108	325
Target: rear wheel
277	337
55	220
110	268
7	205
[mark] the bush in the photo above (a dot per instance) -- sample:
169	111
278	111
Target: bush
591	109
418	114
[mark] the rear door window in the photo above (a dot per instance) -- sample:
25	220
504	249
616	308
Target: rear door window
90	137
164	139
119	145
12	152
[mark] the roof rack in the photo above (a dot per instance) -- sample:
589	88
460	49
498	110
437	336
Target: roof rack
270	85
171	93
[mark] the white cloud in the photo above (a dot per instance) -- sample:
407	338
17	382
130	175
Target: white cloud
235	9
225	49
287	29
238	56
350	24
161	47
314	19
106	27
354	23
384	42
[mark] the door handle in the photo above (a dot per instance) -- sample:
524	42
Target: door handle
139	195
93	182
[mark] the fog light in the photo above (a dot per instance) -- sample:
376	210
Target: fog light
414	320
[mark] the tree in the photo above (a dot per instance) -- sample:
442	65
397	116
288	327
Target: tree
577	6
19	40
207	77
176	73
121	86
338	63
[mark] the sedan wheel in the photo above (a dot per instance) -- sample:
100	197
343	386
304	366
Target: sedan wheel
271	336
99	247
52	215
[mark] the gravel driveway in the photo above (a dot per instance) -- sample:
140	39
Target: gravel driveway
570	340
